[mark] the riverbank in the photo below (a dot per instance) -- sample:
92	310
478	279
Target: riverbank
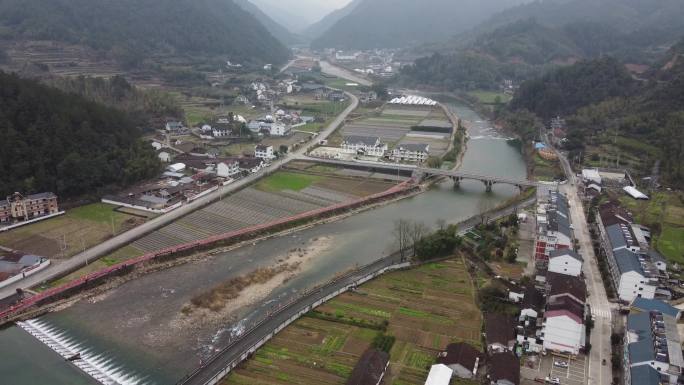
97	284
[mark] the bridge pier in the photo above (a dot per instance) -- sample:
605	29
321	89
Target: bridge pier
457	181
488	185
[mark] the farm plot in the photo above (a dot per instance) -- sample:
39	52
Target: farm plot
66	235
281	195
423	308
388	134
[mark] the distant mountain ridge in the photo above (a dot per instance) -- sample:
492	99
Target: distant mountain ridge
135	29
401	23
276	29
318	28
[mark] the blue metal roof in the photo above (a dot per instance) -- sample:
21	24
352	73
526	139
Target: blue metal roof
628	261
645	375
647	305
616	236
642	350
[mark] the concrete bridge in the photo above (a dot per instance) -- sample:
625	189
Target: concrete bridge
421	172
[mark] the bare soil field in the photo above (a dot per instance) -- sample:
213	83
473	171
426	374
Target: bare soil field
425	308
280	195
66	235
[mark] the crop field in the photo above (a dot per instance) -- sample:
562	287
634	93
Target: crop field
70	233
281	195
393	126
424	308
665	209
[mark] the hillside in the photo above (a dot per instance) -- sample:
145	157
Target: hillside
54	141
133	30
401	23
564	91
318	28
611	117
531	38
277	30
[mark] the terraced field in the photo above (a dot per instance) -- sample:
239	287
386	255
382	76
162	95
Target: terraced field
281	195
424	308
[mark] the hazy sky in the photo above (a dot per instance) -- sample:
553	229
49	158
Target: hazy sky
310	10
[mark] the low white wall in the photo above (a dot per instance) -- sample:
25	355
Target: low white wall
14	226
143	208
25	274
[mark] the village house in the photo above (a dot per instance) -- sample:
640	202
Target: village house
439	374
529	320
264	152
504	369
411	152
499	332
553	226
462	359
564	330
18	208
279	129
370	369
221	130
652	341
363	145
565	261
174	126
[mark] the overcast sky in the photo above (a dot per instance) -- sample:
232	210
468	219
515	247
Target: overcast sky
311	10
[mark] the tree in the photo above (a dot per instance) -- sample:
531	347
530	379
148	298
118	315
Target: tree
402	235
283	149
434	162
417	231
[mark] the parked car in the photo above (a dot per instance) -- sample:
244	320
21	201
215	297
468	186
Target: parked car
560	364
552	380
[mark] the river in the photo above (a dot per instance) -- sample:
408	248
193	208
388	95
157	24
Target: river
132	332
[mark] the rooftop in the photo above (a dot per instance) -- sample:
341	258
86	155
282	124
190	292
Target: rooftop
566	284
504	366
499	328
563	252
370	368
362	140
648	305
459	353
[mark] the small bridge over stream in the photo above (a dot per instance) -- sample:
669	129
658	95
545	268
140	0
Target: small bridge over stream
422	172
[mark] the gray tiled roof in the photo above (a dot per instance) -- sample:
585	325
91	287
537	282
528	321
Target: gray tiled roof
628	261
562	252
365	140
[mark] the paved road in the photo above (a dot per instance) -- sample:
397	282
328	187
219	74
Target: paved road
340	72
598	299
60	269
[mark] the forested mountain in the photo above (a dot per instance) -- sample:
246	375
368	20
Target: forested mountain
132	30
400	23
277	30
148	108
60	142
564	91
608	112
318	28
540	34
